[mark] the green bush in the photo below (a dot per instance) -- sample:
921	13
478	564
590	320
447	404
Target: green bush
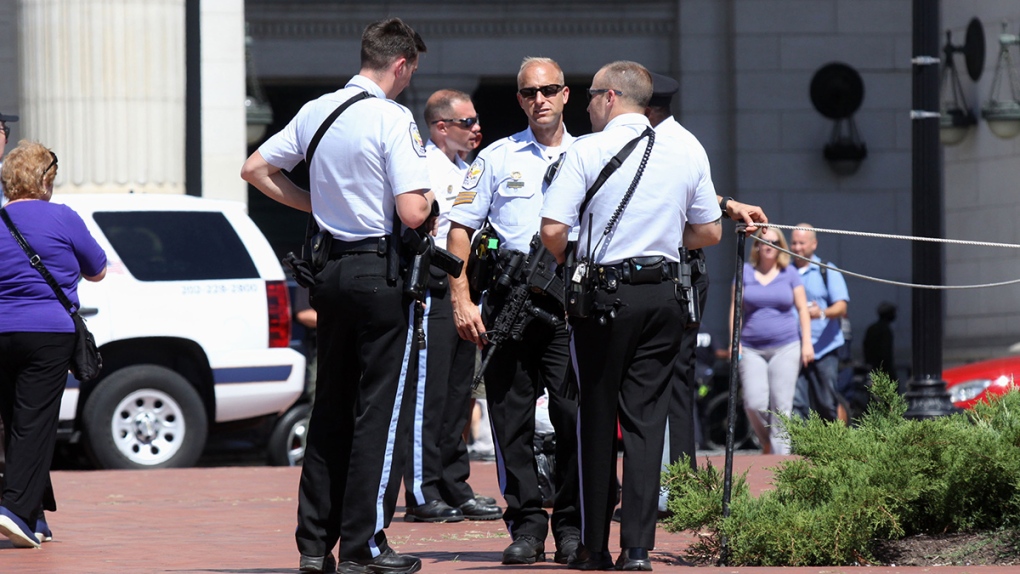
887	478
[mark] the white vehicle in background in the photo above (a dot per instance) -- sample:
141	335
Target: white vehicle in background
193	323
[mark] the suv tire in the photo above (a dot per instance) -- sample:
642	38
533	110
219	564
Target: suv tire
144	416
286	445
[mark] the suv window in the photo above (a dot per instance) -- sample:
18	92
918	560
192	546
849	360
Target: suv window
177	245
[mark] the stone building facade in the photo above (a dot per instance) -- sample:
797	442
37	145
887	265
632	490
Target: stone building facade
744	66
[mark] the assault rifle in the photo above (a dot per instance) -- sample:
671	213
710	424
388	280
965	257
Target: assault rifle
521	276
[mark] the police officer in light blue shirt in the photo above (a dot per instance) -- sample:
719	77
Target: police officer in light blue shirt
368	170
506	185
656	201
827	304
437	469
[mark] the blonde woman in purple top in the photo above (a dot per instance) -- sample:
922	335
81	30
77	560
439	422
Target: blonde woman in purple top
775	339
36	333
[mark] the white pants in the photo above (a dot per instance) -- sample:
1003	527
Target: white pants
768	378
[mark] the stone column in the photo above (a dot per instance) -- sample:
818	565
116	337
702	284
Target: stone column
102	84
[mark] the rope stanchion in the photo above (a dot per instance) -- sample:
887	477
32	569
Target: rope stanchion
731	407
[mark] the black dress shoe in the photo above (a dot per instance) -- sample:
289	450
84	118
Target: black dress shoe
634	559
566	550
475	510
485	499
524	550
389	562
324	564
585	559
435	511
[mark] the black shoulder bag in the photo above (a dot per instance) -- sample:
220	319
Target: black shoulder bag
86	362
580	277
303	268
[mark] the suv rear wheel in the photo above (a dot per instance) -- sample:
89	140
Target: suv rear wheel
286	446
144	416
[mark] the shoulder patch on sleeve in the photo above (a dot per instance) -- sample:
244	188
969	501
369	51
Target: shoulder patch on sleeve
474	174
416	143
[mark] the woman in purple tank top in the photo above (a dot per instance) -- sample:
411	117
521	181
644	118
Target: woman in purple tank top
775	339
36	334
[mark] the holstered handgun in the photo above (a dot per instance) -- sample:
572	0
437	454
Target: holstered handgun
422	254
686	292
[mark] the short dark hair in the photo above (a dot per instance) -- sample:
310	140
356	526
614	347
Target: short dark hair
386	40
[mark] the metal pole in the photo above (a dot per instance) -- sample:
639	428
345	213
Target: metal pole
926	395
731	410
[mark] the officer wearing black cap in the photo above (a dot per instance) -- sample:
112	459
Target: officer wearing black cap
680	426
6	131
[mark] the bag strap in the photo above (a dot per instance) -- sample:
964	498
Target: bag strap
36	262
311	228
613	164
328	122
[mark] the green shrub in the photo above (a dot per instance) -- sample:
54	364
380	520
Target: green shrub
887	478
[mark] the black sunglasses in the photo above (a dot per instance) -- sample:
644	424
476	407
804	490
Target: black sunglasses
53	163
7	132
592	92
547	91
466	123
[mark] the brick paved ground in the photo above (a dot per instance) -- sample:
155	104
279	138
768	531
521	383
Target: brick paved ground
240	520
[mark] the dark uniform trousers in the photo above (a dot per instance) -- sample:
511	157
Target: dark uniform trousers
685	391
514	380
625	367
33	374
364	395
438	465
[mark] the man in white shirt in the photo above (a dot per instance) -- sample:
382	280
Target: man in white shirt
625	343
436	472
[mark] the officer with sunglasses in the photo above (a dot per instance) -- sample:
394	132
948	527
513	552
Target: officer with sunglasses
6	132
437	469
625	344
506	185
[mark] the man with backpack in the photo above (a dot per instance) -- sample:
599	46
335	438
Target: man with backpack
827	304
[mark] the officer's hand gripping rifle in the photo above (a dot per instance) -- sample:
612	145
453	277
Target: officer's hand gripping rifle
521	276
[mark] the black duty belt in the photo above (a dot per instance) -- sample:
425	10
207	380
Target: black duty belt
376	245
637	271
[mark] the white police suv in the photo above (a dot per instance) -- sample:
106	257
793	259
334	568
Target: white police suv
193	323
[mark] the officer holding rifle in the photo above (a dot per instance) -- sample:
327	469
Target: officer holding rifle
505	185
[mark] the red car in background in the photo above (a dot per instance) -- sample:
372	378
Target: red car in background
968	384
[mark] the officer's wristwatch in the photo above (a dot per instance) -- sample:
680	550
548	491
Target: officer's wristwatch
722	206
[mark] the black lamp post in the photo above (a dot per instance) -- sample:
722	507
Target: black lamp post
926	394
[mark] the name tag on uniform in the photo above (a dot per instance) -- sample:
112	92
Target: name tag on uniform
515	184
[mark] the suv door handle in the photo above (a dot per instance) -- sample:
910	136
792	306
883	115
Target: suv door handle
88	311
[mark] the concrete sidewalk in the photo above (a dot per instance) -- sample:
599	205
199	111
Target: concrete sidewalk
240	520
